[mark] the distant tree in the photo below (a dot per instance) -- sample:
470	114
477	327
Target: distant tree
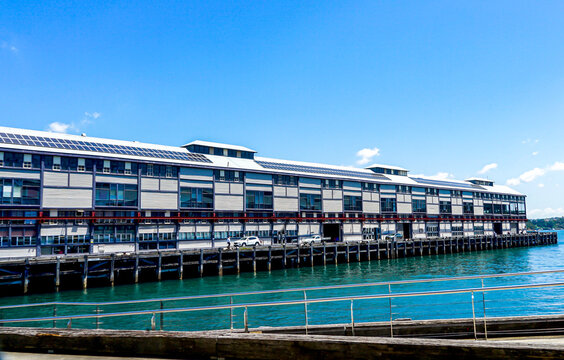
555	223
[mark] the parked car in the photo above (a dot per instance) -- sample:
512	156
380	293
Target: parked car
310	240
247	241
392	236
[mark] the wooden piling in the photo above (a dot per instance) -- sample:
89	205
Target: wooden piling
336	253
136	269
284	256
181	265
58	274
237	263
269	258
254	259
159	266
25	277
201	263
112	268
324	254
220	261
311	255
85	273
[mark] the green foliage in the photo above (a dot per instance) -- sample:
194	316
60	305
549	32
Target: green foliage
556	223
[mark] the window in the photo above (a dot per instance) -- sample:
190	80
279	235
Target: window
56	163
19	191
456	193
457	230
149	170
196	198
229	175
403	189
432	229
1	158
310	202
419	205
116	195
168	171
332	184
127	170
488	208
106	167
285	180
370	186
27	161
388	205
468	208
445	207
259	199
352	203
81	165
432	191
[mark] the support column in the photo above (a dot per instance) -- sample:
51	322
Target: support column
112	267
237	264
25	277
85	273
181	265
324	254
269	258
159	266
311	255
254	259
136	269
219	261
201	263
58	274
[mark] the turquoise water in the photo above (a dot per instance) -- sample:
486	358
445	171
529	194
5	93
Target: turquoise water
522	302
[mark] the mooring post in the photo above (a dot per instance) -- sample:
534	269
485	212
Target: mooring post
254	258
219	262
358	252
368	251
85	272
237	265
311	254
284	254
201	263
136	269
347	252
181	265
324	254
298	255
269	257
336	253
378	248
159	266
25	277
58	274
112	267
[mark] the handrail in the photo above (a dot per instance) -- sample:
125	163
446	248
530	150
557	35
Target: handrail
287	302
289	290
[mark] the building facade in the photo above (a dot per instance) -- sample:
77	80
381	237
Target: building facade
65	194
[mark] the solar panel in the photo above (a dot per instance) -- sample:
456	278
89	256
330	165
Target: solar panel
447	183
98	147
319	170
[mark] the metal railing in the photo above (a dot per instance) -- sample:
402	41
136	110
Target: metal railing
327	305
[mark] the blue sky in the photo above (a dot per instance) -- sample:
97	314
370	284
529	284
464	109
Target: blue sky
439	87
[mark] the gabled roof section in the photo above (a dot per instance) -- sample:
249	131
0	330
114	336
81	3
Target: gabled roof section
391	167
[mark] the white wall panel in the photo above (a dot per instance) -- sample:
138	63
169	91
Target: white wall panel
292	191
310	191
308	182
332	206
285	204
432	209
229	202
19	174
327	194
236	189
132	180
196	184
51	178
67	198
371	207
81	180
256	187
221	188
253	178
351	185
169	185
404	208
478	210
456	209
158	200
338	194
279	191
150	184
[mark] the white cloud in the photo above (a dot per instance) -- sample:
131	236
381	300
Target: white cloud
535	153
12	48
437	176
535	173
59	127
541	185
546	212
487	168
65	128
366	155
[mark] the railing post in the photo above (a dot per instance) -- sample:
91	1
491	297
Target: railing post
305	312
153	325
54	315
231	312
162	317
484	304
474	317
352	318
391	315
246	320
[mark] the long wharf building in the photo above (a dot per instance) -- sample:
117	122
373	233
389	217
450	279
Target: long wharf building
75	194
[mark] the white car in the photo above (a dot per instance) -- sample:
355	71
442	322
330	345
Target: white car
310	240
247	241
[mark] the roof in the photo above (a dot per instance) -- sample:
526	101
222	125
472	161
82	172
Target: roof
479	179
219	145
386	167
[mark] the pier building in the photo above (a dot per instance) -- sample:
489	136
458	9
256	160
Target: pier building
64	194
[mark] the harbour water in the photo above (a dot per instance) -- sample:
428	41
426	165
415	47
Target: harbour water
513	260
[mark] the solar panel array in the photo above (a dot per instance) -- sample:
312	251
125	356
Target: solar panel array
447	183
56	143
319	170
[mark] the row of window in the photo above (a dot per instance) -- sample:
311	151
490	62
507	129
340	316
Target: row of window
19	191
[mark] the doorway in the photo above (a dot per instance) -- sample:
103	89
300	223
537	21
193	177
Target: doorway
406	227
497	229
332	231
